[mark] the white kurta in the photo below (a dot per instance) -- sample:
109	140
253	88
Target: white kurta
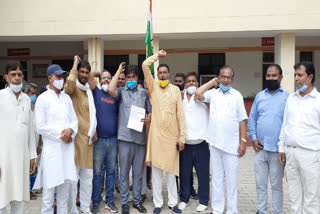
17	146
53	114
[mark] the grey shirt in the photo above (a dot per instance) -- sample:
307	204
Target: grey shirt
139	98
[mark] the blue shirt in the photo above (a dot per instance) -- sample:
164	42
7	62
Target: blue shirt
266	118
107	114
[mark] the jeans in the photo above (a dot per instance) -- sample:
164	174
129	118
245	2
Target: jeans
116	172
267	164
104	159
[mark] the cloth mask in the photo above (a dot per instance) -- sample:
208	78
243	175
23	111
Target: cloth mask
163	83
15	88
131	84
224	88
33	99
58	84
272	84
181	87
191	90
105	87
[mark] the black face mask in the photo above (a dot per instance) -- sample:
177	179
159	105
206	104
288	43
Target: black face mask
181	87
272	85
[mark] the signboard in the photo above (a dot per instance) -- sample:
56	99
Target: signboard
267	41
18	51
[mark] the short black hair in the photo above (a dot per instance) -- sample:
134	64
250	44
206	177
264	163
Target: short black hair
13	65
84	64
28	87
226	67
163	65
104	70
195	74
309	68
181	75
278	67
131	69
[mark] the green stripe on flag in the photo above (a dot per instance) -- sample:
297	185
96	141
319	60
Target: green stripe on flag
149	45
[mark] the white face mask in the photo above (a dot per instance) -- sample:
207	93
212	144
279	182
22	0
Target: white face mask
191	90
58	84
15	88
105	87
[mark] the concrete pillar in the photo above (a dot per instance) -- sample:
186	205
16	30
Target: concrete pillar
316	62
155	50
133	59
96	53
285	48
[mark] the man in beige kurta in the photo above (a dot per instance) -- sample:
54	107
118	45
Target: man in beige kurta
17	143
167	132
78	89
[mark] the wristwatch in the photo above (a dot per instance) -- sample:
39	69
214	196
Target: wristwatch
244	140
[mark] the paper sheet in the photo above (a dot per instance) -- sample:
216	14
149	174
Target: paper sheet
136	114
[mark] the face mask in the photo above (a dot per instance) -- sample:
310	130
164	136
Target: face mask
181	87
33	99
58	84
15	88
105	87
163	83
191	90
272	84
304	87
131	84
225	89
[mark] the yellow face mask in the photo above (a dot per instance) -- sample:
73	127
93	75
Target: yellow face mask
163	83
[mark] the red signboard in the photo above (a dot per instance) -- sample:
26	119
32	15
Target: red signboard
18	51
267	41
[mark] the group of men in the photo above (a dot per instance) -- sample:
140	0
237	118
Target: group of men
85	125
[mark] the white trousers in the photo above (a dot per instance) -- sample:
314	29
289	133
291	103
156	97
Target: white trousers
303	173
157	175
62	191
224	165
85	176
17	207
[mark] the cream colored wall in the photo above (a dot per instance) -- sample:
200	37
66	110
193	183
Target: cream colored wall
100	17
248	71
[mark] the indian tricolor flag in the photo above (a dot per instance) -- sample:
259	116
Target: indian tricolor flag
149	36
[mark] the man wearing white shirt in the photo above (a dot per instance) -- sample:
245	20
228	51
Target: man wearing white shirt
196	151
226	137
57	122
299	144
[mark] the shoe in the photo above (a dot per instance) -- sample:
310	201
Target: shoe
140	208
157	210
125	209
201	208
175	210
143	198
193	194
33	196
95	209
111	207
182	205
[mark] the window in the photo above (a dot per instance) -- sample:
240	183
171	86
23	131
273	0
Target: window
66	64
112	62
209	65
306	56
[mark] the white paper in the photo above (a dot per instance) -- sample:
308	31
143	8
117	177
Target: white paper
136	114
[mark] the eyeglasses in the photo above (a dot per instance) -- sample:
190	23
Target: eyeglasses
106	78
226	78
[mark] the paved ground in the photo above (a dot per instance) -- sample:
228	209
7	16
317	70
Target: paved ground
246	193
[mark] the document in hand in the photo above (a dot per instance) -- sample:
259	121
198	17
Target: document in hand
136	114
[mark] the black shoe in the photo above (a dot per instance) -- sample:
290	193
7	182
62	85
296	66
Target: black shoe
125	209
95	209
140	208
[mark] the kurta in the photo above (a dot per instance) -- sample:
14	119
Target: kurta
54	114
83	151
167	123
17	146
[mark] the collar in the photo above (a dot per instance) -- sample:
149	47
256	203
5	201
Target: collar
313	93
127	89
230	91
278	90
12	93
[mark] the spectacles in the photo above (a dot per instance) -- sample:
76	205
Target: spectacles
106	78
226	78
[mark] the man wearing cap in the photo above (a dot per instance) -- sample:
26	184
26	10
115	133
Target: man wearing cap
57	122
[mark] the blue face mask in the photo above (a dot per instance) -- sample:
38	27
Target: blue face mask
303	88
225	89
33	99
132	85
